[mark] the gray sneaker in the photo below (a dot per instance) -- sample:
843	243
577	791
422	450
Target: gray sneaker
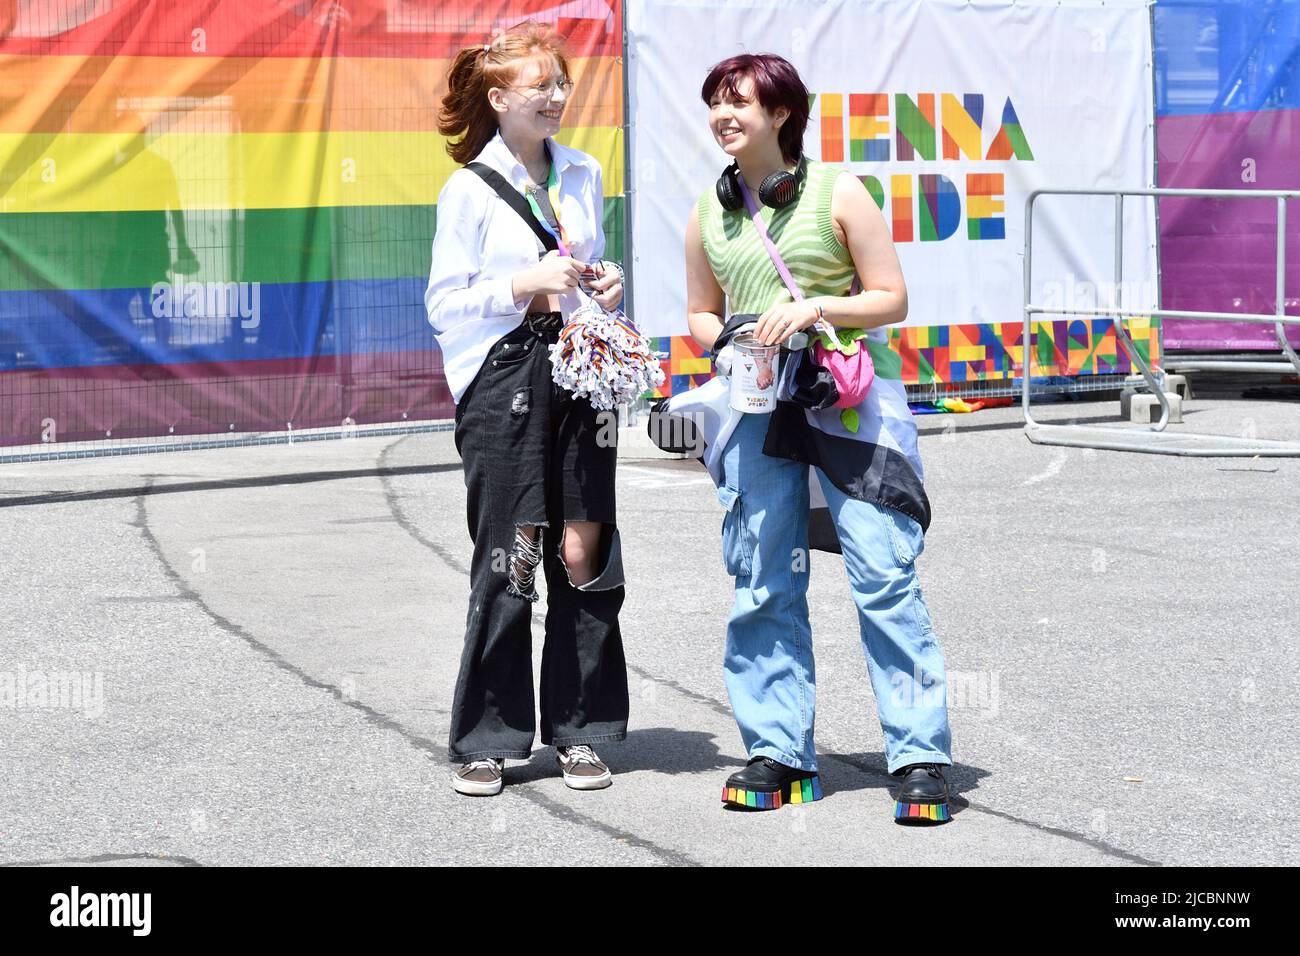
583	770
479	778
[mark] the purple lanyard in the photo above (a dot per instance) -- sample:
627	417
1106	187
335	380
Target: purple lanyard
772	251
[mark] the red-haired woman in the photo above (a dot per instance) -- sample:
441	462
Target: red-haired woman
539	463
826	229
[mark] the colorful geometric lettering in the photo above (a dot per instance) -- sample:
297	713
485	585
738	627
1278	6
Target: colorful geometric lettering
900	191
868	127
914	120
961	125
940	207
832	128
1010	140
984	206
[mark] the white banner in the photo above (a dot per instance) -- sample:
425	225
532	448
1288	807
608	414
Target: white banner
951	111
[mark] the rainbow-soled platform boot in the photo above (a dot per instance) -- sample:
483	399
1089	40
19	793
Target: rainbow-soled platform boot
922	796
768	785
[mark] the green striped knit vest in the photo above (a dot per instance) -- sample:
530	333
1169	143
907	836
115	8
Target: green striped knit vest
802	231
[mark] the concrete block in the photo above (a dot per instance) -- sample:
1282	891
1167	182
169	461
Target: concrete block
1136	385
1144	408
1126	401
1179	385
1173	383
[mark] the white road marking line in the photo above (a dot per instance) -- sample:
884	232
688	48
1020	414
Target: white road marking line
657	478
1053	468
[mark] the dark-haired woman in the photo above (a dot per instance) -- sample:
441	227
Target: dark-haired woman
539	464
827	229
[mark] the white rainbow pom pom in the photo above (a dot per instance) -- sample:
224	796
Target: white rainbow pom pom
602	357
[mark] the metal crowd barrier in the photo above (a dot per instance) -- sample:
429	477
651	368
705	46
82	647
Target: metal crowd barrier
1154	439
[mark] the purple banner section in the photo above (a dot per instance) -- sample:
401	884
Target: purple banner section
1227	117
1221	255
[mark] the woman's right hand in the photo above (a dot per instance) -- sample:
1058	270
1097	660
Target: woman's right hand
553	275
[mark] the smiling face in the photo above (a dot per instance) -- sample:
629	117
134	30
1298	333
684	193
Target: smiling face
739	122
533	104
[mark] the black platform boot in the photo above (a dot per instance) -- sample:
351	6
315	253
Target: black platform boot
767	785
922	795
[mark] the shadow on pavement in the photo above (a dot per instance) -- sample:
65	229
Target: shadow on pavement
656	749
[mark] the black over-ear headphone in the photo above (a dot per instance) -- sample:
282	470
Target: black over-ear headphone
778	190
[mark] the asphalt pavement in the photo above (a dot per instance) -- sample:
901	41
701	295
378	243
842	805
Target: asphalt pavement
246	656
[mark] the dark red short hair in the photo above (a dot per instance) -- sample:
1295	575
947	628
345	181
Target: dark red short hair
776	83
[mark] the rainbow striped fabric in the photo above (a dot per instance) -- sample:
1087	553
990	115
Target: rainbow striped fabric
937	812
217	214
793	793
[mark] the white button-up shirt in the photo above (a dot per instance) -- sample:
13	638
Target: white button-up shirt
481	243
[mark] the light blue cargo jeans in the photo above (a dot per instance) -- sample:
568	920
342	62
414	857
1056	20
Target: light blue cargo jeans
768	662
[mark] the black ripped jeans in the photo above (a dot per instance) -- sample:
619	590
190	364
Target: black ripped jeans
535	455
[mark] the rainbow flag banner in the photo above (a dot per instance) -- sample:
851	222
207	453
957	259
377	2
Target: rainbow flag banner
216	215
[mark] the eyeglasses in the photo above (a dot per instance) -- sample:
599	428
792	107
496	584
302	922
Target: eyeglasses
547	88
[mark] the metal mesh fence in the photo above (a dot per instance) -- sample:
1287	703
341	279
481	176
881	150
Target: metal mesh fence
216	217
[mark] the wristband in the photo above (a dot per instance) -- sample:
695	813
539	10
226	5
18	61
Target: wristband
822	325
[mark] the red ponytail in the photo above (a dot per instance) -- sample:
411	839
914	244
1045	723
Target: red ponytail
465	111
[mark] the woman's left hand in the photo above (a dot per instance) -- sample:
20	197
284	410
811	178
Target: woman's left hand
777	324
607	290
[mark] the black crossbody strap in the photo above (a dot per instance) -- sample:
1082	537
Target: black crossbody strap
515	201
